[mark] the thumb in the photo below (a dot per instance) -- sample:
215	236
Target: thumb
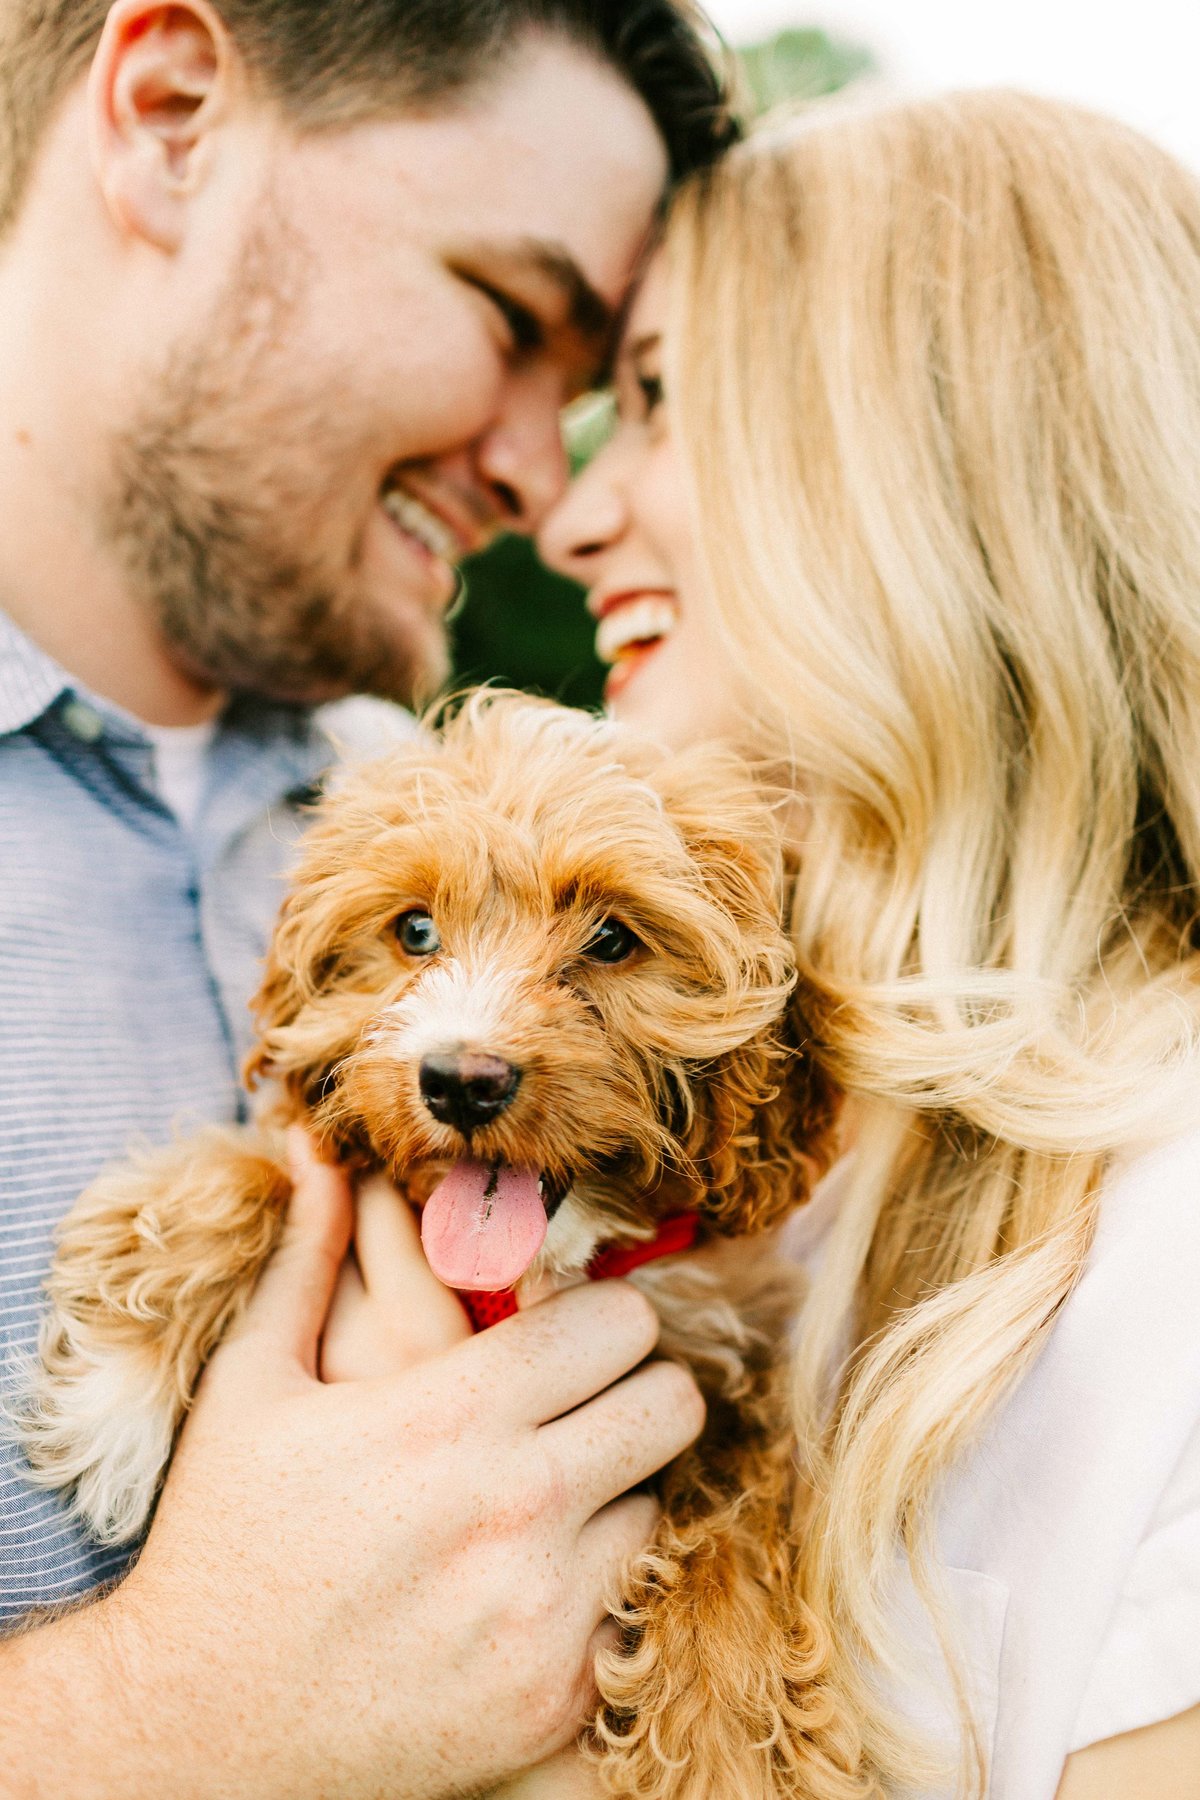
296	1289
396	1272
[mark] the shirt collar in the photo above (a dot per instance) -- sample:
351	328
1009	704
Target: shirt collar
30	681
275	749
292	740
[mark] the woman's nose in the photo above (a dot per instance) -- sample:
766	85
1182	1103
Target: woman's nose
589	519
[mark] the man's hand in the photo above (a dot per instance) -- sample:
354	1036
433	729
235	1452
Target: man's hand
389	1309
564	1776
387	1585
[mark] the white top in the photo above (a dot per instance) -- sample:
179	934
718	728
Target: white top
181	765
1070	1535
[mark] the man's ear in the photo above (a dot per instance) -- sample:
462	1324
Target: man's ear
163	77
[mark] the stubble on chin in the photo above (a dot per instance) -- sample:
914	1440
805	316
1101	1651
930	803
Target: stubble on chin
220	480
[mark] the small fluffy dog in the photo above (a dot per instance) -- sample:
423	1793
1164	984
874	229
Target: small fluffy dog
535	971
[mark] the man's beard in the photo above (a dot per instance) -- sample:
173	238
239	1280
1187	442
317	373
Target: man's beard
215	489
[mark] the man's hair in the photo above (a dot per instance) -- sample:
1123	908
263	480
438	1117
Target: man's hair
333	62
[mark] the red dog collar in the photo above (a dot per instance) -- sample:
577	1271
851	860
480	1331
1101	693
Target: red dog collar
678	1232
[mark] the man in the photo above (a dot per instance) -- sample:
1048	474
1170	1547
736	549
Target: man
291	294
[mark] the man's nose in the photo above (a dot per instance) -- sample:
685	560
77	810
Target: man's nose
467	1088
522	461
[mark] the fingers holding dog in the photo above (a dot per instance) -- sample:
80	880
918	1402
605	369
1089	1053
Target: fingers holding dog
625	1434
291	1302
607	1544
390	1310
558	1354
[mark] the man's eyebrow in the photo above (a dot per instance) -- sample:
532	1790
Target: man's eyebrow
588	312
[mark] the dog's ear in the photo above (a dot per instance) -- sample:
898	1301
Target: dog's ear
287	981
319	952
763	1129
325	926
301	965
729	826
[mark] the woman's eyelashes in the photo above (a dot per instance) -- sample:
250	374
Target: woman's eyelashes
650	387
639	394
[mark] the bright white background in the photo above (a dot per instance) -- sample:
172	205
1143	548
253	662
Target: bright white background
1140	60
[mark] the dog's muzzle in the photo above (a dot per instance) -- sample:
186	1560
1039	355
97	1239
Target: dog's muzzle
467	1088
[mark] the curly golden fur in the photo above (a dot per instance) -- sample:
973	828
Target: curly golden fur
661	1082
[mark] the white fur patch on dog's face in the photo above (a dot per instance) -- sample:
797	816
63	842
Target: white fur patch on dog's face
451	1003
572	1238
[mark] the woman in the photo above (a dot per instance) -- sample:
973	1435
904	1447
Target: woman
904	494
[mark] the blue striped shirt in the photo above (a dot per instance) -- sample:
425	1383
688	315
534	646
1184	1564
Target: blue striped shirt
128	951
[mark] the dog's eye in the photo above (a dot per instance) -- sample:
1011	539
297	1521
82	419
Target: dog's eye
417	933
611	942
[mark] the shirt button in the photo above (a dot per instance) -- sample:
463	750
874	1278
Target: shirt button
83	721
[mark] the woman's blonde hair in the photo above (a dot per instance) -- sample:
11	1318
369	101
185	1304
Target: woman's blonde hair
935	372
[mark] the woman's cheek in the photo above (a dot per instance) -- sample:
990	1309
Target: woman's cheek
679	693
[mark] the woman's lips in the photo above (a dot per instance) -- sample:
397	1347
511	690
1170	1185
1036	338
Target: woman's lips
631	624
622	673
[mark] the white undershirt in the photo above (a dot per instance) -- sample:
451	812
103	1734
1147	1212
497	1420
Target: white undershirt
181	766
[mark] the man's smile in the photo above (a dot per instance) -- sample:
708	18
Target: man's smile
419	522
427	535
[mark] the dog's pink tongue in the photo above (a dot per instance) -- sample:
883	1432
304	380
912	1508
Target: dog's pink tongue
483	1225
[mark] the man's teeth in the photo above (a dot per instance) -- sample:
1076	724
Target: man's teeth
422	524
635	622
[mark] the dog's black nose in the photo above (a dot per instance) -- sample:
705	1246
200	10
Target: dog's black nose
467	1088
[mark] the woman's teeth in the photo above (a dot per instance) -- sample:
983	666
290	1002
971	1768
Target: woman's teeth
422	524
633	625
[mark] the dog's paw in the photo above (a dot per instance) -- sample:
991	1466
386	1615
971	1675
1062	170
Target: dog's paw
97	1423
